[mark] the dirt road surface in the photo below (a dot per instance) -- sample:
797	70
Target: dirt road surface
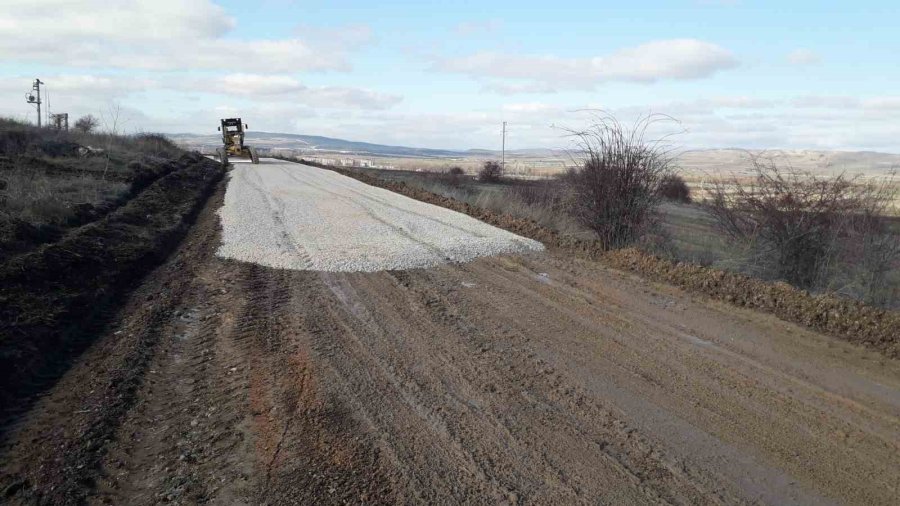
531	379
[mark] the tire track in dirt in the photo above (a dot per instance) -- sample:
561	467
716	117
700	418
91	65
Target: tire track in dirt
465	437
727	396
309	451
497	382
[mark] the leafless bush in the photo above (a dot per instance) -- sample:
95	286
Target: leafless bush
798	223
87	124
491	172
673	187
869	263
877	281
616	188
454	176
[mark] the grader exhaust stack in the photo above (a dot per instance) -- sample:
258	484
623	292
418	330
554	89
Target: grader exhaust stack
233	141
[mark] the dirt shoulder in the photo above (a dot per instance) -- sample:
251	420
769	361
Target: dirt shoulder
847	319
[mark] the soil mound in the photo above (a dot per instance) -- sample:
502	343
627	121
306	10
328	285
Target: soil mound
845	318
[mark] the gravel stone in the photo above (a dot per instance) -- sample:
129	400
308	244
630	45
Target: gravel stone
294	216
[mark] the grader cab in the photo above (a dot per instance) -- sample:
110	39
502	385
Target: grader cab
233	141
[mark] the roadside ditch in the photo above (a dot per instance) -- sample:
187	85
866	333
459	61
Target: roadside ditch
53	300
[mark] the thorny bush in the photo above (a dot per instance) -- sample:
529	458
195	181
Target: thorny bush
800	226
615	189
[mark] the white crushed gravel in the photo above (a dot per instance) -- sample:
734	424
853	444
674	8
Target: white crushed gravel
293	216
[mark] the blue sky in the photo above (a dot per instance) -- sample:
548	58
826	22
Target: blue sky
753	74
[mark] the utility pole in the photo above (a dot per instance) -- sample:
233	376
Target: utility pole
37	101
503	151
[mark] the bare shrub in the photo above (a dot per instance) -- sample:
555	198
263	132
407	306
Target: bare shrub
869	267
616	188
798	223
877	281
454	176
87	124
673	187
491	172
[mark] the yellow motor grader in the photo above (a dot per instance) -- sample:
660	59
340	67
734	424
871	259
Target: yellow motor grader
233	141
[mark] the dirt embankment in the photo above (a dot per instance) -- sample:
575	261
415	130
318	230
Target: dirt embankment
54	181
850	320
53	298
200	390
18	236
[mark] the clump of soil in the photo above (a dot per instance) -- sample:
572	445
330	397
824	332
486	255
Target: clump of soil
51	297
850	320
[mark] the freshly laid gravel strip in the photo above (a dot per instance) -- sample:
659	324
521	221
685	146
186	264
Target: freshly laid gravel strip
293	216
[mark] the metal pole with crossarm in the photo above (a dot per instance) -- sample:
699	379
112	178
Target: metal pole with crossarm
37	101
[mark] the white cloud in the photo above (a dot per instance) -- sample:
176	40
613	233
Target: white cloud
882	103
503	88
80	85
147	34
528	107
278	98
803	57
664	59
473	28
336	38
825	101
289	89
260	88
743	102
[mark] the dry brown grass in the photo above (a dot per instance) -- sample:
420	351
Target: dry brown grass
48	183
37	198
